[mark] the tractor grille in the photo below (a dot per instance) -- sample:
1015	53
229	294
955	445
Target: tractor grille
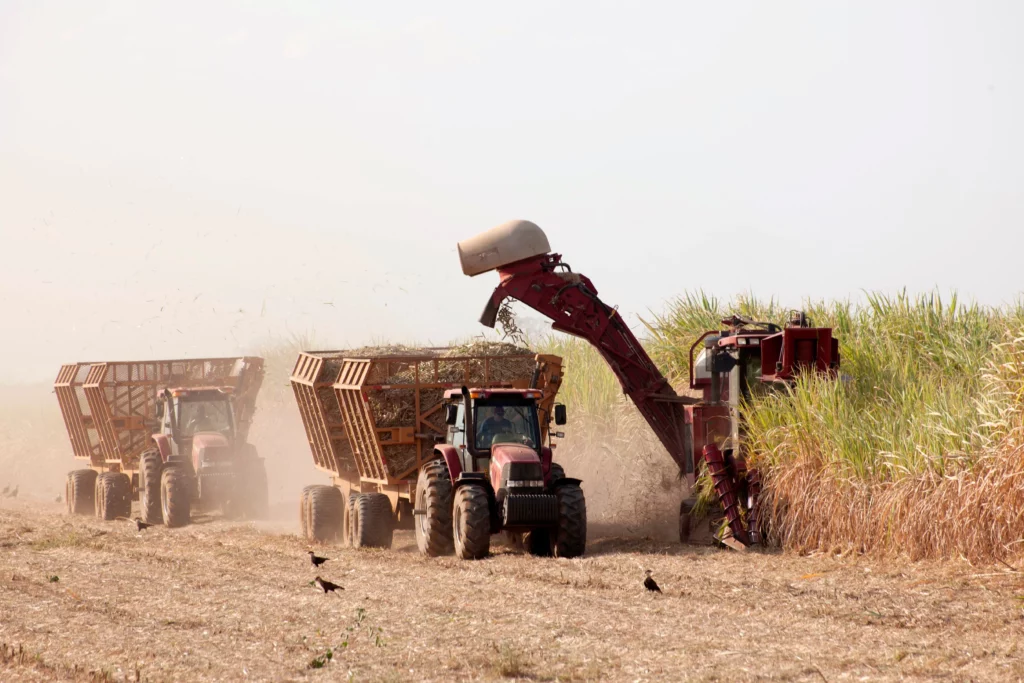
530	509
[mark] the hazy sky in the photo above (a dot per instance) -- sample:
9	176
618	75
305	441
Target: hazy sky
194	178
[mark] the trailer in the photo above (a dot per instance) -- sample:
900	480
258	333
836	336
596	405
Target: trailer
171	434
375	419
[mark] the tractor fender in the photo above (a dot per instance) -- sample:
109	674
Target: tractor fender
163	444
565	481
451	459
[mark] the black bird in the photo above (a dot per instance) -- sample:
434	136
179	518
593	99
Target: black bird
327	585
315	559
649	583
139	524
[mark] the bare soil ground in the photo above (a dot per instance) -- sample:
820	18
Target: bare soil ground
82	599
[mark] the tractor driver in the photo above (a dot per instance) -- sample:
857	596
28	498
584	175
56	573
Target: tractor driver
202	422
495	424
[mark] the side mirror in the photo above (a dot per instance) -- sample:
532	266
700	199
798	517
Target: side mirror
559	414
451	414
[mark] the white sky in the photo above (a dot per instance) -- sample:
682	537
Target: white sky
194	178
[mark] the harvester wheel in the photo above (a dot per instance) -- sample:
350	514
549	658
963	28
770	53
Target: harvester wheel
150	466
113	496
570	540
304	511
471	527
80	491
434	510
325	513
175	498
373	524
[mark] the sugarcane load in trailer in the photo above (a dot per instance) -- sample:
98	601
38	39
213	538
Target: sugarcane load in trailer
735	364
453	443
171	434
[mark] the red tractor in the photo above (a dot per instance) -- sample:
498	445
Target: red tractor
495	474
735	364
198	460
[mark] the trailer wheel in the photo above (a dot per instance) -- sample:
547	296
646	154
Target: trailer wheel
175	498
325	513
471	527
348	522
304	511
373	522
98	491
150	466
113	496
570	540
433	510
80	491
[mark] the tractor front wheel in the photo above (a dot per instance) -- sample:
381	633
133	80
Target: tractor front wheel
150	466
175	497
471	528
570	538
433	510
80	492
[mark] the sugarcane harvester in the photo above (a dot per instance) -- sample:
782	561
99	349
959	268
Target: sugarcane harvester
734	364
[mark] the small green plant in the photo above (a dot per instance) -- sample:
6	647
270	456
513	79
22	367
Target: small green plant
320	661
54	579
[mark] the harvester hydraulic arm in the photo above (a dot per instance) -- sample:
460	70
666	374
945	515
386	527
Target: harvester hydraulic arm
548	286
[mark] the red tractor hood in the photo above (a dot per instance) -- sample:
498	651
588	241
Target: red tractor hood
203	440
504	453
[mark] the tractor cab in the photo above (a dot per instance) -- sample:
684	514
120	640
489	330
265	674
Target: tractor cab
185	413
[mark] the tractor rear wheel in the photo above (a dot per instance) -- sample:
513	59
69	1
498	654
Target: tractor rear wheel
304	511
373	524
80	491
325	514
471	527
570	539
175	497
433	510
150	466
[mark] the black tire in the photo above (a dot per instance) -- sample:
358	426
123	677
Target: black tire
175	496
348	525
150	467
98	495
557	472
570	539
80	492
304	511
433	506
113	496
471	522
373	525
325	514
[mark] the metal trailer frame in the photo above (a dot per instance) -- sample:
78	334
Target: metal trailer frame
342	398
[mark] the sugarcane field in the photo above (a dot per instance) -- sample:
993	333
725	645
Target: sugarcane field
572	342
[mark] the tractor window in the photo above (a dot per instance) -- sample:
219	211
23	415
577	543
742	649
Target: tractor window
204	416
505	423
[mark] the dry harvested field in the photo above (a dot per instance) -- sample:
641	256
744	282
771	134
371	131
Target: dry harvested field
231	601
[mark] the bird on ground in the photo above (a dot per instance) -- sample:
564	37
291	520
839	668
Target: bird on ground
316	559
649	583
139	524
326	585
